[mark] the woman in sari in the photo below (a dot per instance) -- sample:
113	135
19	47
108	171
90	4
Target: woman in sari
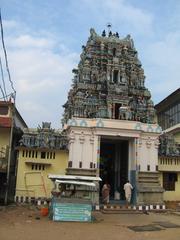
105	193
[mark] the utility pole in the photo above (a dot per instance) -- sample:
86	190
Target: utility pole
9	154
12	109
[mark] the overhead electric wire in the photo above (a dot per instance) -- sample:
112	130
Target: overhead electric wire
9	95
2	75
5	54
3	93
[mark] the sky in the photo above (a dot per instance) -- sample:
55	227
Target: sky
44	41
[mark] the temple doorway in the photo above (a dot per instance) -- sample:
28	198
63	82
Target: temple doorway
117	106
114	165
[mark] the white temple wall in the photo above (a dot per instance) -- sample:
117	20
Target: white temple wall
95	147
132	155
147	153
76	154
142	156
84	143
83	148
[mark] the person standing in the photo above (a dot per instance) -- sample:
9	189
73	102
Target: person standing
105	193
128	191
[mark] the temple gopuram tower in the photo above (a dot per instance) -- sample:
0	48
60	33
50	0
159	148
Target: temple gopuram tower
110	119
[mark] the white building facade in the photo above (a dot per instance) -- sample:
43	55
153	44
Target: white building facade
130	150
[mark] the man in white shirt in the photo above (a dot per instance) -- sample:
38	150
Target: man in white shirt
128	190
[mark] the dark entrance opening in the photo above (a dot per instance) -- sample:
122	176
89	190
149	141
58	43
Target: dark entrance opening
115	76
114	165
117	106
2	187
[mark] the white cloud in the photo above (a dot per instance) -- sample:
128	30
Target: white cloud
120	13
164	64
35	70
35	112
27	41
121	10
9	24
40	75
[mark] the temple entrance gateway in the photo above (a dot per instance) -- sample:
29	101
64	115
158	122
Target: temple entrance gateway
114	164
116	150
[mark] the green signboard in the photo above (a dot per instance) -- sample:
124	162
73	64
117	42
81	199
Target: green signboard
72	212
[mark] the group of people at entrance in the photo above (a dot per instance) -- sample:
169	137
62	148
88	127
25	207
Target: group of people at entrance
107	188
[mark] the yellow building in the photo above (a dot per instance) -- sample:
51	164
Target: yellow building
11	130
168	113
42	151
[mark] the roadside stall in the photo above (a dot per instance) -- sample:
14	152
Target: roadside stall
73	197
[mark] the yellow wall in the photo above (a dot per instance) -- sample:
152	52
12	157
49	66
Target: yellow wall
172	167
172	195
4	136
177	137
30	181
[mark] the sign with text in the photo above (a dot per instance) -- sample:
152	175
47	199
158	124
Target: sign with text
72	212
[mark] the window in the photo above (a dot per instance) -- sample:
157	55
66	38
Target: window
169	179
43	155
37	167
54	155
114	52
115	76
117	106
91	164
170	117
148	167
178	107
70	164
29	153
3	110
23	153
80	164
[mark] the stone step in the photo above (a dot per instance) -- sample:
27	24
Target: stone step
116	208
121	211
148	175
148	181
146	189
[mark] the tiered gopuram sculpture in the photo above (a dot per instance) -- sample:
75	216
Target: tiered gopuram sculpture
43	137
109	82
168	146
